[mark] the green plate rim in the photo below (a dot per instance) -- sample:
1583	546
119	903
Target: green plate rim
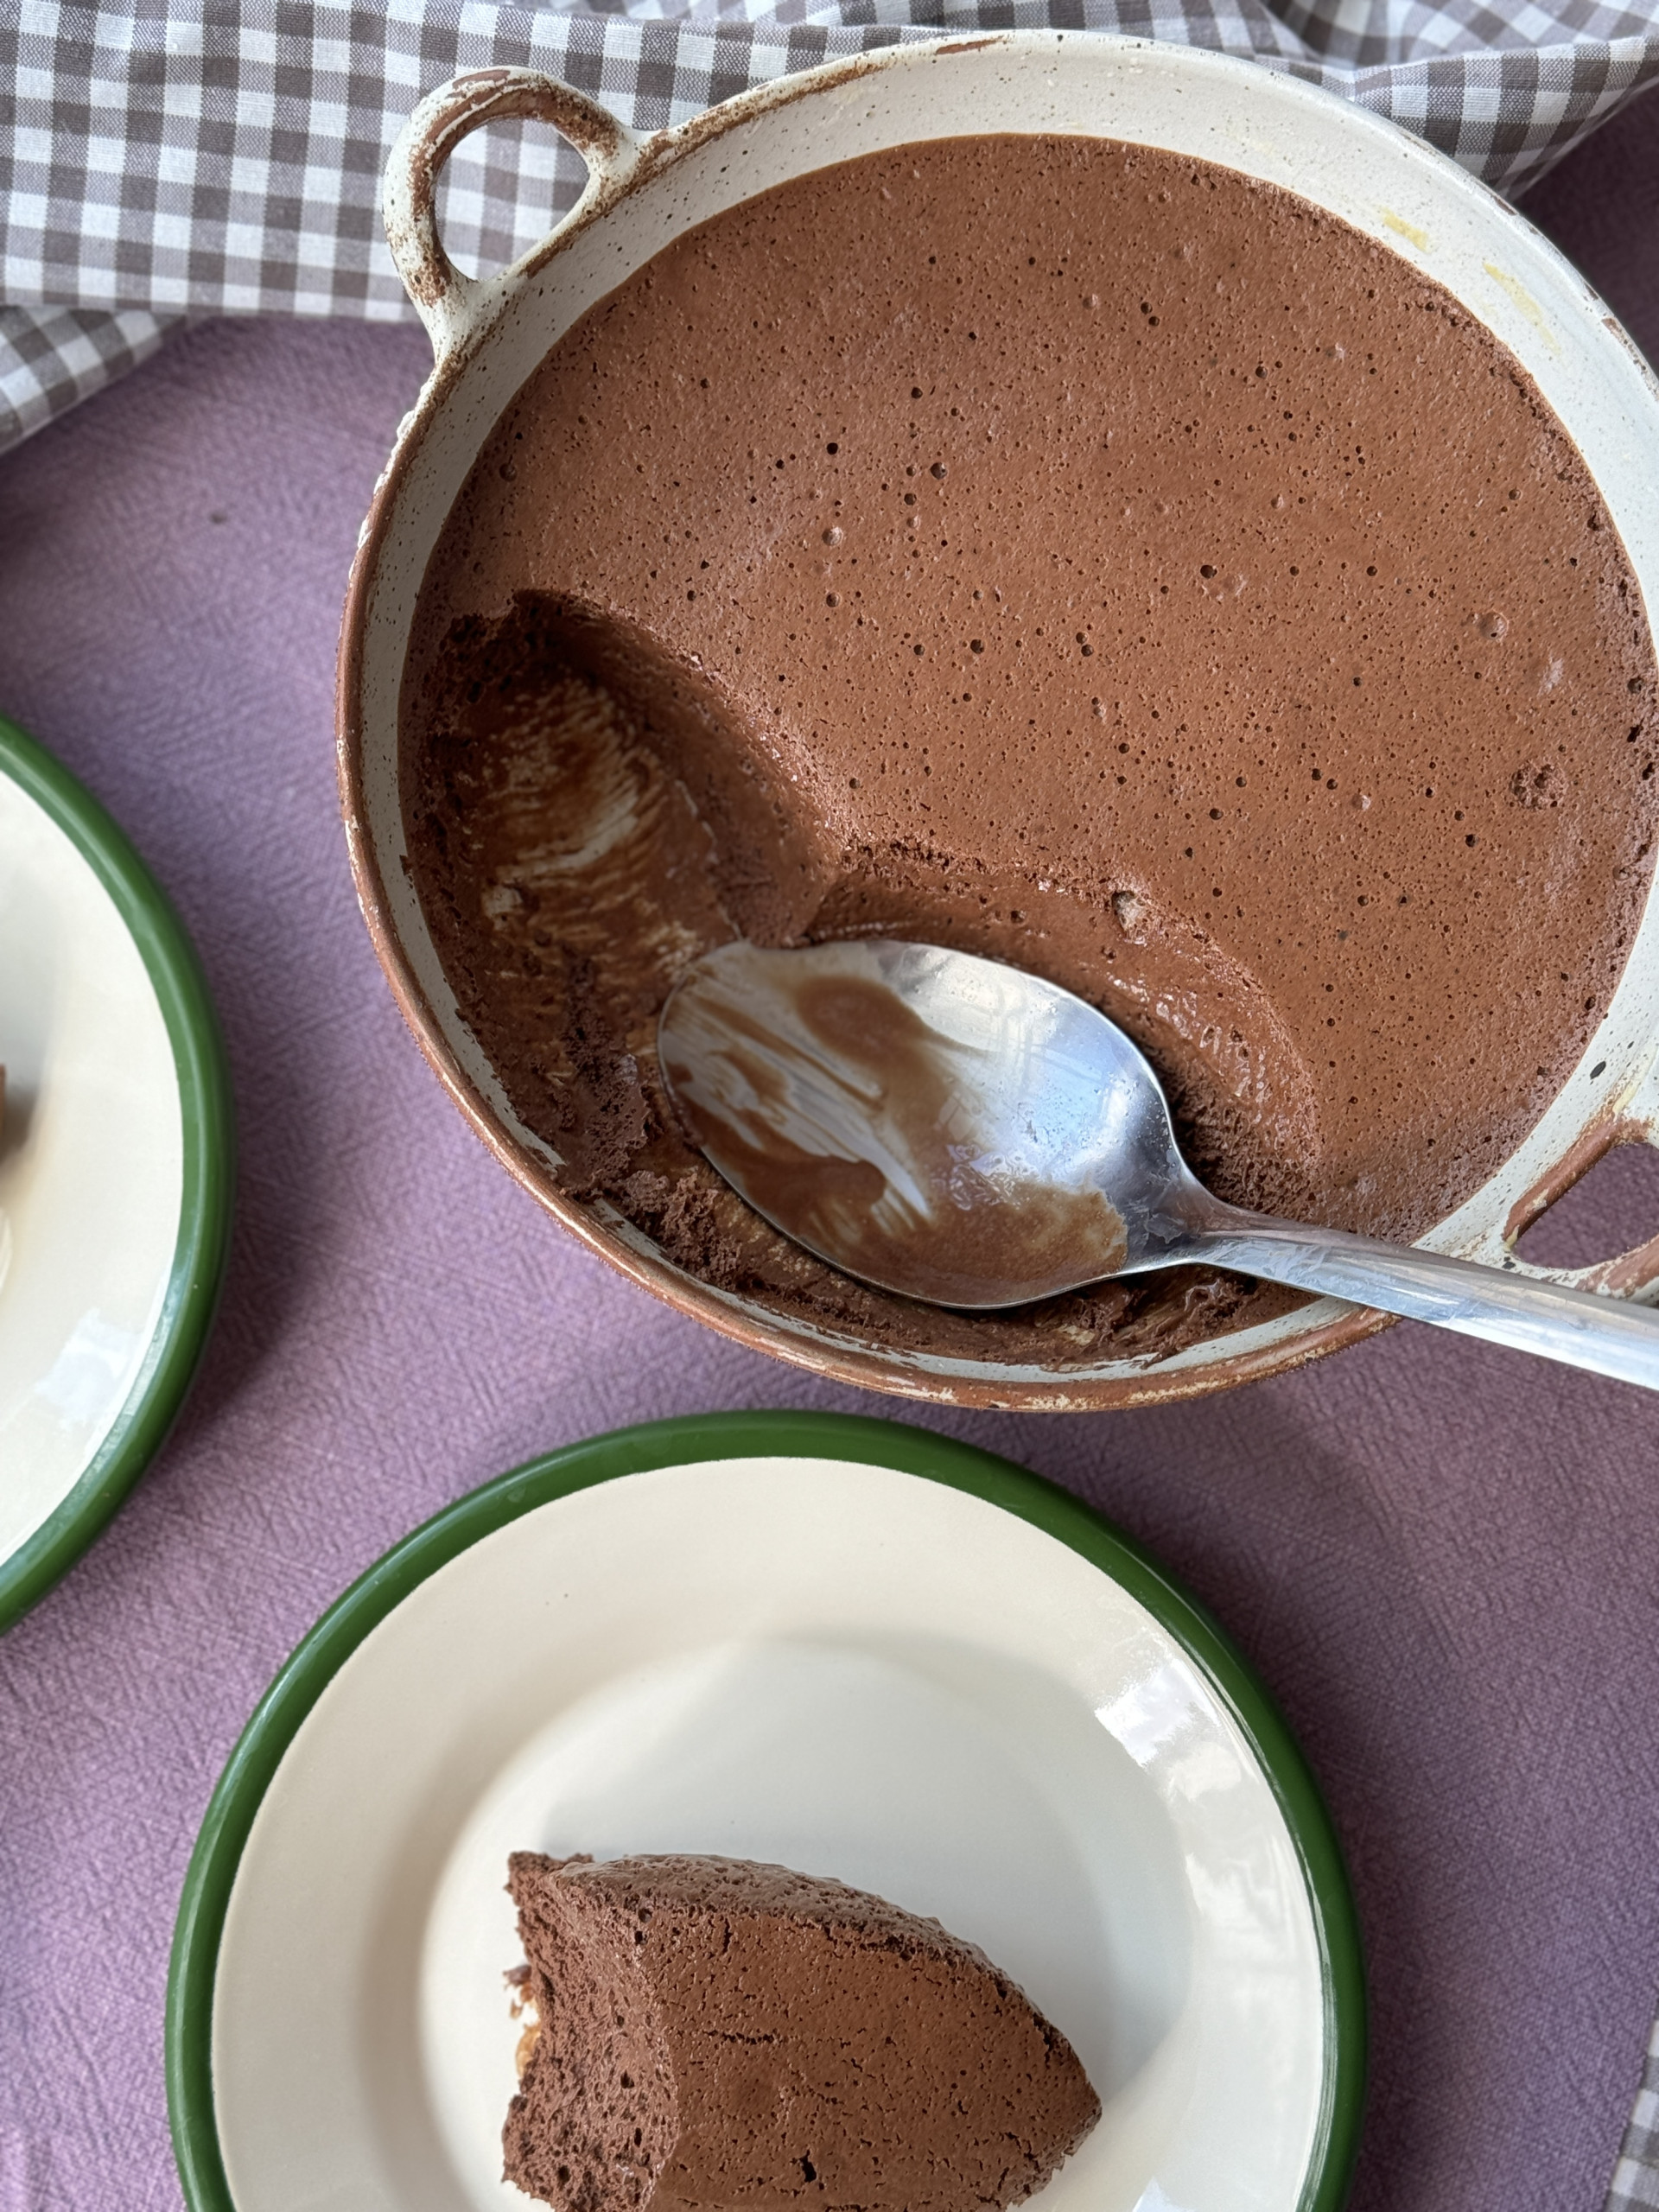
197	1270
683	1442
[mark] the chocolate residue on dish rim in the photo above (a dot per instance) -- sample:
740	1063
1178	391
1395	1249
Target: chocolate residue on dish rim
1082	556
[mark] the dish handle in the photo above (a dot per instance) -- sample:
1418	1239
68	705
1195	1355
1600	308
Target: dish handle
455	307
1632	1274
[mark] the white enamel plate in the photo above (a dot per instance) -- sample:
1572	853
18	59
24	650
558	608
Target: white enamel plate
854	1648
115	1168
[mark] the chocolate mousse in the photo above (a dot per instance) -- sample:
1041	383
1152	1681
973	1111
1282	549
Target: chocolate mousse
1079	554
715	2032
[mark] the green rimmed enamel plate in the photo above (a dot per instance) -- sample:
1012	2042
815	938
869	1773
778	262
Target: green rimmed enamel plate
851	1646
115	1168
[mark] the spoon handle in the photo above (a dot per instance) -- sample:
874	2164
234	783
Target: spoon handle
1604	1334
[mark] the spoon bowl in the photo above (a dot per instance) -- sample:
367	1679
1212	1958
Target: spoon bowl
937	1124
959	1131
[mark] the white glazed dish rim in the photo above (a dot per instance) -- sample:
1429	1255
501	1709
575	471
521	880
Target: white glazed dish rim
489	335
115	1169
320	1936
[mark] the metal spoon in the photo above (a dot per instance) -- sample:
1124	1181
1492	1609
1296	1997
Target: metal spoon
959	1131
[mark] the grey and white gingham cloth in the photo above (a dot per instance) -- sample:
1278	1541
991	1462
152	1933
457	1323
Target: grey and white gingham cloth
162	159
1636	2178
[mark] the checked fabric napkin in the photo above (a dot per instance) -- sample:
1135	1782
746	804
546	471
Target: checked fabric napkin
167	159
162	159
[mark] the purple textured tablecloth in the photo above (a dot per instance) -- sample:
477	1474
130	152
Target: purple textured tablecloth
1442	1558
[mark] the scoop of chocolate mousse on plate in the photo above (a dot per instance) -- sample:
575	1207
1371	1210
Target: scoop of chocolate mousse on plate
712	2031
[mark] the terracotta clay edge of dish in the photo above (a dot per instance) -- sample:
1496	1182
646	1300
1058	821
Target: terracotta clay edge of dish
1633	1273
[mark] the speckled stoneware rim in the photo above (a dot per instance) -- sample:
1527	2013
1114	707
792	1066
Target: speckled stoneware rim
191	1296
688	1441
489	335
